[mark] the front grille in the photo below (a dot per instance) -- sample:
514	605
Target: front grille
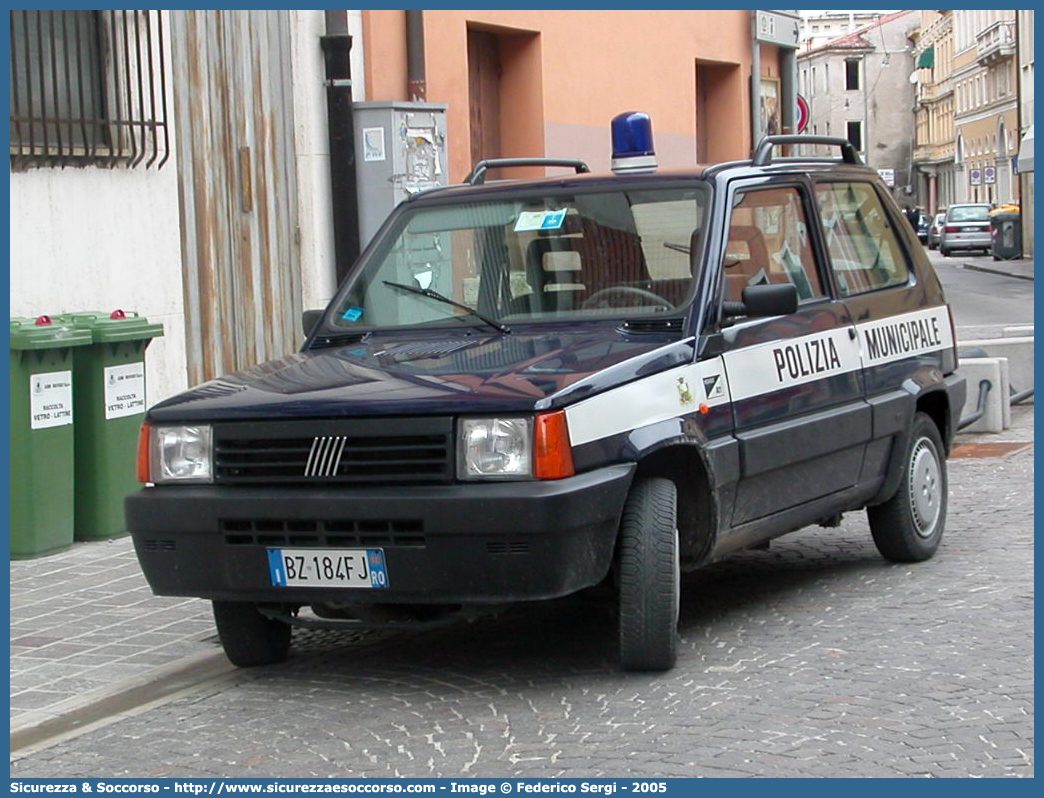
374	451
326	533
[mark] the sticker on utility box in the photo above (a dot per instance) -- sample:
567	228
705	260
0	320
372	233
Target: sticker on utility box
50	399
539	220
124	390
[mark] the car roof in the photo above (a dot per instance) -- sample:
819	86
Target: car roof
660	177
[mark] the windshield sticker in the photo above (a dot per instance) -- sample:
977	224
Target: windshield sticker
352	314
539	220
423	279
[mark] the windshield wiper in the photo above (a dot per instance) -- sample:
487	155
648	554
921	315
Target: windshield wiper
496	325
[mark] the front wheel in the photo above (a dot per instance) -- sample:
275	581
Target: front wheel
649	577
248	637
909	526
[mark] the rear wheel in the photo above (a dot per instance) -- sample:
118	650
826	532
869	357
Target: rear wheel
649	577
248	637
909	526
944	251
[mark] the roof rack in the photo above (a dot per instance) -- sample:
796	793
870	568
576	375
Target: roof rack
478	174
763	153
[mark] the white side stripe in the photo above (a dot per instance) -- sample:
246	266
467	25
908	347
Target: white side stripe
757	370
910	334
669	394
774	365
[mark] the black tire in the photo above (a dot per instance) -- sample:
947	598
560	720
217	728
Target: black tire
909	526
248	637
649	577
944	251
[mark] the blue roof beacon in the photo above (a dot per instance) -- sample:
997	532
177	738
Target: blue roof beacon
633	143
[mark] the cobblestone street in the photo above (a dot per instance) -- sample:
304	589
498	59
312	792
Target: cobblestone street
815	658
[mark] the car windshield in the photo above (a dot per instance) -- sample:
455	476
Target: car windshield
970	213
531	258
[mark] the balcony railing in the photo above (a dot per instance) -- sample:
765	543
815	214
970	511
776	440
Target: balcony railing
996	42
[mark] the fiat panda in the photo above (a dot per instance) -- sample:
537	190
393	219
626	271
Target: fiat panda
527	388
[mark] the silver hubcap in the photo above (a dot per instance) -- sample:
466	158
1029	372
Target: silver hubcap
925	487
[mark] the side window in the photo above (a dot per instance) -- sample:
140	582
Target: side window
768	243
864	253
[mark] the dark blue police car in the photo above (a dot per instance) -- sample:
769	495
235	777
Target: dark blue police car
526	388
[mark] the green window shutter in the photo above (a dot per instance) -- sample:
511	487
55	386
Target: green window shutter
927	58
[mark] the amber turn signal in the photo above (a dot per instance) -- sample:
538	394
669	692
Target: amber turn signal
143	454
552	452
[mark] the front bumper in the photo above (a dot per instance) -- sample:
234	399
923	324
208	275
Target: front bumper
455	544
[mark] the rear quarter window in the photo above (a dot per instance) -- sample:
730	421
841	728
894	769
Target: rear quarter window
865	254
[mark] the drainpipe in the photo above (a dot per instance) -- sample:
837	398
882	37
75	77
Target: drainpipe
1017	179
788	93
755	84
337	46
416	82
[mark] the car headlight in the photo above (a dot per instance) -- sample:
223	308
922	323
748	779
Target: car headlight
495	448
180	454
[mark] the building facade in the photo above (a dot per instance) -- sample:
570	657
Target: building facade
1024	30
193	191
547	83
985	89
819	27
857	87
933	156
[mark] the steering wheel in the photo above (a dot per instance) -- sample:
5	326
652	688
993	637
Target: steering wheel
600	298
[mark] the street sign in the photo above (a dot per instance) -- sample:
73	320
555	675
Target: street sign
888	176
802	114
777	27
976	177
990	173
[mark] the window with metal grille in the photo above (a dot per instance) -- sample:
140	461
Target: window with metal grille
88	87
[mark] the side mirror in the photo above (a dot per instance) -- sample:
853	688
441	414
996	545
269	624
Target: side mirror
769	299
309	319
774	299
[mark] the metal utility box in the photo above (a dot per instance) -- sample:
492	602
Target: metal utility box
400	150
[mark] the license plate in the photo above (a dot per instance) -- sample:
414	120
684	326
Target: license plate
358	568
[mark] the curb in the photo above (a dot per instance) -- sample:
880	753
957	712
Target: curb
996	270
34	731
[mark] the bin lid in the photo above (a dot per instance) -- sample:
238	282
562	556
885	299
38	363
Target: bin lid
114	326
45	333
1005	216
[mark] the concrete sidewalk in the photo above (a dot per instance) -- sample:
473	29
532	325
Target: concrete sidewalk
84	622
1021	268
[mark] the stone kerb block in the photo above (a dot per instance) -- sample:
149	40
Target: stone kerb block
997	415
1019	331
1019	353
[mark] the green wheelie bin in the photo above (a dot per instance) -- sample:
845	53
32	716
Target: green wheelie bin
109	397
42	435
